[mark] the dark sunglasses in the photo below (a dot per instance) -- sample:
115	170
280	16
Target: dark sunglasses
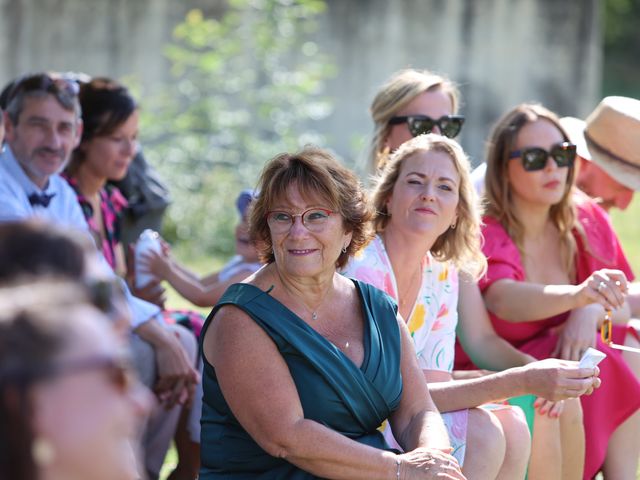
118	369
63	88
449	125
535	158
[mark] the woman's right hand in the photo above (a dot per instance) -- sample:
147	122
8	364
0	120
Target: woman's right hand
606	286
428	463
159	264
555	380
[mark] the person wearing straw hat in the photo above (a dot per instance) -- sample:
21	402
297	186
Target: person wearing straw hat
608	158
608	151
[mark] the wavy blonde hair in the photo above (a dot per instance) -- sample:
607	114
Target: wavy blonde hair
397	93
499	201
461	244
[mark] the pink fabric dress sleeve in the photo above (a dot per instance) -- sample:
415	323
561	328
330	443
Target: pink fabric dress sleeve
602	248
503	257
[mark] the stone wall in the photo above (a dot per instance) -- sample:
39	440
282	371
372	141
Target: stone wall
500	52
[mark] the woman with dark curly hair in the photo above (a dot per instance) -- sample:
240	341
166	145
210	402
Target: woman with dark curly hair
301	364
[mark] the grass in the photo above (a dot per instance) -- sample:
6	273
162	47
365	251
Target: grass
627	226
201	266
625	223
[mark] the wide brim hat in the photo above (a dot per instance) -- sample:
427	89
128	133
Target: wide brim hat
575	129
613	137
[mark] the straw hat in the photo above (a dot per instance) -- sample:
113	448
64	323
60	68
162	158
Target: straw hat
613	136
575	129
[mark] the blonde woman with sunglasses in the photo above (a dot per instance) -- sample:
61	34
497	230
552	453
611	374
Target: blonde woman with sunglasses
555	267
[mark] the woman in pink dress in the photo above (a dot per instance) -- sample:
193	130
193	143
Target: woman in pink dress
554	269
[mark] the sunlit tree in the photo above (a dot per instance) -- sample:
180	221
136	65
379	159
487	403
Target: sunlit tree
245	87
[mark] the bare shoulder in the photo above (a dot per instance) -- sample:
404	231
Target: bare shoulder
233	332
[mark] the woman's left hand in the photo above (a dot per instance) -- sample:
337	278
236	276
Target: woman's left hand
578	332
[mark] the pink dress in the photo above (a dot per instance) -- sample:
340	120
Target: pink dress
619	396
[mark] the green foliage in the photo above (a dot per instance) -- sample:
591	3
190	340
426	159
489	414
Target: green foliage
628	231
621	46
247	86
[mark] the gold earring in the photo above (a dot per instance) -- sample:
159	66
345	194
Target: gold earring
42	452
453	225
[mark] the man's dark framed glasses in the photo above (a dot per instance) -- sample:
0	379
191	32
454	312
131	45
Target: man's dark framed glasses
449	125
535	158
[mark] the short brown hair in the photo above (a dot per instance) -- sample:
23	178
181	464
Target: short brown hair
316	172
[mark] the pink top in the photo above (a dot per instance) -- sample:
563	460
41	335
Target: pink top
619	395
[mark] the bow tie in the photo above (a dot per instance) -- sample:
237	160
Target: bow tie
42	199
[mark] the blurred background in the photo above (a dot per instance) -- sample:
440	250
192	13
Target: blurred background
226	84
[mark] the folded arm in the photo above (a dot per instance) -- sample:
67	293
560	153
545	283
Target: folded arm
477	336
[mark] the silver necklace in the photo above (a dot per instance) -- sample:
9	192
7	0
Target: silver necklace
314	313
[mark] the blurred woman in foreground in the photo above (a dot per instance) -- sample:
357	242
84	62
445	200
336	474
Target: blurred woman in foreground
69	405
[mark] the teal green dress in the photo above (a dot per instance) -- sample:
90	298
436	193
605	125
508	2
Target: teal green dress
333	391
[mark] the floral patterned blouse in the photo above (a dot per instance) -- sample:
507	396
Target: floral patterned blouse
432	322
112	203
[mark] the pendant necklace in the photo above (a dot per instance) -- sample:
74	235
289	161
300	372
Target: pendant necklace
314	312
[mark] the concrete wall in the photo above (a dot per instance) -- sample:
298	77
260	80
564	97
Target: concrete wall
500	52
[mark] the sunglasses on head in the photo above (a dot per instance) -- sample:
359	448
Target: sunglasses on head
535	158
449	125
63	88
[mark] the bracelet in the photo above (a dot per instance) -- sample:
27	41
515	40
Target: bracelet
398	463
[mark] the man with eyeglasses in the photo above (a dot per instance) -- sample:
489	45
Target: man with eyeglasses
43	126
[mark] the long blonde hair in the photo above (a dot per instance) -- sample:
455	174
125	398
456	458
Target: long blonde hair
398	92
499	201
459	244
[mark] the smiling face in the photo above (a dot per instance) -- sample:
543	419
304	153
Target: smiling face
434	104
541	187
300	252
89	417
425	195
43	138
108	156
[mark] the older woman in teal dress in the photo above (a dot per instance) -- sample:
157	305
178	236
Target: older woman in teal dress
301	364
